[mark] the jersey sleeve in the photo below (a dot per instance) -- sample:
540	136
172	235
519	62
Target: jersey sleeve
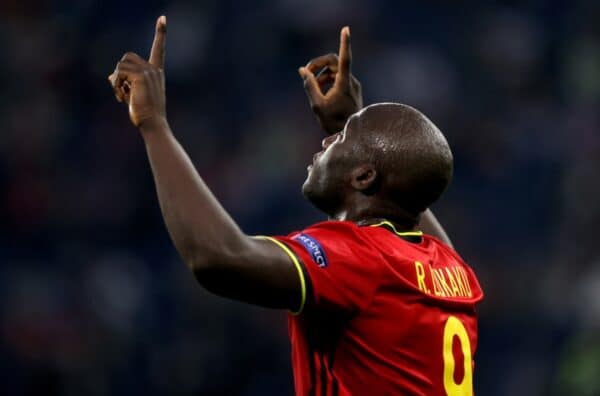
338	268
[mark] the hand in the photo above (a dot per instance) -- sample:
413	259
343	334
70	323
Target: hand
344	98
141	84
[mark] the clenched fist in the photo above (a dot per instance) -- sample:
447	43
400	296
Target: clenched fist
141	84
344	98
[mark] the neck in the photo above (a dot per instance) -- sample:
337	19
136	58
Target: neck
370	212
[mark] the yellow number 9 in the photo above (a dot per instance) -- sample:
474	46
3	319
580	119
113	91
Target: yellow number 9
454	327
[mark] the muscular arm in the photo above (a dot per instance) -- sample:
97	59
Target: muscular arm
224	259
333	106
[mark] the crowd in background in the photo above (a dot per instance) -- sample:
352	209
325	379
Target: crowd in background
93	298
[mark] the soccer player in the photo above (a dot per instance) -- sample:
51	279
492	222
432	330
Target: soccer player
378	306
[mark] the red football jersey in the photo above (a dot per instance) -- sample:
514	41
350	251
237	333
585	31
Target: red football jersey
383	313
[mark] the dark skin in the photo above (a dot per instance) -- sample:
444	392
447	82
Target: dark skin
223	258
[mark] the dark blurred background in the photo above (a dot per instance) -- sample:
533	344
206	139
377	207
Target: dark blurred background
93	299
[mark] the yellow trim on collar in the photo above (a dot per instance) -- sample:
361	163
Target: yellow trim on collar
298	268
389	224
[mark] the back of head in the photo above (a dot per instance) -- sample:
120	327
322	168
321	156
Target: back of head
410	154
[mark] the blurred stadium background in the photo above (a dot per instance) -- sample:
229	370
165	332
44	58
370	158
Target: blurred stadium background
93	300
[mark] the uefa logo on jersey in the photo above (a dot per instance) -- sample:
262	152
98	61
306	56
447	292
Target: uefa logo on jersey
314	248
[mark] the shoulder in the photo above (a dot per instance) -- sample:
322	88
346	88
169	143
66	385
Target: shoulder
445	248
329	231
343	239
332	226
334	232
452	255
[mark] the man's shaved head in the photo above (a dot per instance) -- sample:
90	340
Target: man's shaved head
410	153
391	155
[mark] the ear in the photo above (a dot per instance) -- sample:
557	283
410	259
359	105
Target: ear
363	177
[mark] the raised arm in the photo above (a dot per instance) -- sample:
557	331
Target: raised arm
224	259
334	94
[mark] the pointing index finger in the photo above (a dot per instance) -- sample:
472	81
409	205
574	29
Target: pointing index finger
345	57
157	53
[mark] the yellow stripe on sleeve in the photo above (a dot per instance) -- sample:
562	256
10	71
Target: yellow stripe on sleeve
298	268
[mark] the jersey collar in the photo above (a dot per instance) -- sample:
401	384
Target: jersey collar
410	236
